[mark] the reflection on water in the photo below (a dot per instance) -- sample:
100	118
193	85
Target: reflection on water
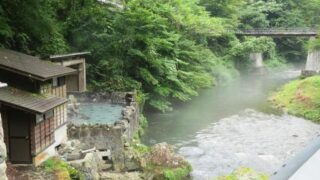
213	104
216	132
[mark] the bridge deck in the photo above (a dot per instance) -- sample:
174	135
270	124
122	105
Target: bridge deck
308	32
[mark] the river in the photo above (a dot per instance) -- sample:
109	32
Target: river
230	126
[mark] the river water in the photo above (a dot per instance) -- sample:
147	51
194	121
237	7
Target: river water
230	126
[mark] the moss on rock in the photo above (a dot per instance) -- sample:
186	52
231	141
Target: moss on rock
177	173
300	98
143	124
61	169
163	163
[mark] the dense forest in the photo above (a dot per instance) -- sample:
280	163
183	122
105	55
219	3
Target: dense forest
165	49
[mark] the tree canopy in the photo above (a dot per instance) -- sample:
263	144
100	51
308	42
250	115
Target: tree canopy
167	50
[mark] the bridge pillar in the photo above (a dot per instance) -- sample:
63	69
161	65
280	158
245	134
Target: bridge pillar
313	62
257	59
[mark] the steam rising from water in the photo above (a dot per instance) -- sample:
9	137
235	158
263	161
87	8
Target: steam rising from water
217	139
250	139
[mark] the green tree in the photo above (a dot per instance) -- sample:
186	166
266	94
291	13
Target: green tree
30	26
157	47
223	8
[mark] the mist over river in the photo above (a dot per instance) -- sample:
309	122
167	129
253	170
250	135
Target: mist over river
230	126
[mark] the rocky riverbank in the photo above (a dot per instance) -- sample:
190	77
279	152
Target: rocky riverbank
158	162
113	151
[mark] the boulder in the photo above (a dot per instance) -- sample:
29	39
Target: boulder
163	155
3	154
90	165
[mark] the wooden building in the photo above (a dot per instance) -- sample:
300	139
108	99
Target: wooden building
32	106
75	82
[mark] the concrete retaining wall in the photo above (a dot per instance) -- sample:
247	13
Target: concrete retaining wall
257	59
313	61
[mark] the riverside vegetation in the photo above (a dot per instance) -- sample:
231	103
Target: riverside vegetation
245	174
300	98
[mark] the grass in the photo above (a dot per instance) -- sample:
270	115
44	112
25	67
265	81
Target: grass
143	124
167	173
141	148
178	173
62	169
300	98
244	174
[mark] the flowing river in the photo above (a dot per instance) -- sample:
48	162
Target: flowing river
230	126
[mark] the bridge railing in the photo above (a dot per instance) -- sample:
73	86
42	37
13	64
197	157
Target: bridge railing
274	31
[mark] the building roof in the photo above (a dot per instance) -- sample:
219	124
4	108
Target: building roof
31	66
68	56
35	103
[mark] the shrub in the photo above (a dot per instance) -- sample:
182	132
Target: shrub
244	174
300	97
60	167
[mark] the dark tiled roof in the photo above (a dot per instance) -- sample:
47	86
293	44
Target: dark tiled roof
68	56
35	103
31	66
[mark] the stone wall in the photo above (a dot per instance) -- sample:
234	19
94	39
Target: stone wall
3	154
108	137
114	97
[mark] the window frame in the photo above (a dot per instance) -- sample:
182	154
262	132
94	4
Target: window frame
58	81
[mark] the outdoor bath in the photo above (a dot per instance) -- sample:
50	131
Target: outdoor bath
103	121
96	113
98	108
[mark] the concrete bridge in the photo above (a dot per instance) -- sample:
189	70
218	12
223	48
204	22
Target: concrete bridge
277	32
313	60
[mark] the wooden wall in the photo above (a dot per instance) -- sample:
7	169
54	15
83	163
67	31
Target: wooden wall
72	83
43	135
43	132
60	116
60	91
76	82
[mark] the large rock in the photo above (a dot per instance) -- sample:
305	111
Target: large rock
3	154
162	162
90	165
163	155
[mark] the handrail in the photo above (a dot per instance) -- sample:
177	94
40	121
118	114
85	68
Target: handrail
294	164
275	31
